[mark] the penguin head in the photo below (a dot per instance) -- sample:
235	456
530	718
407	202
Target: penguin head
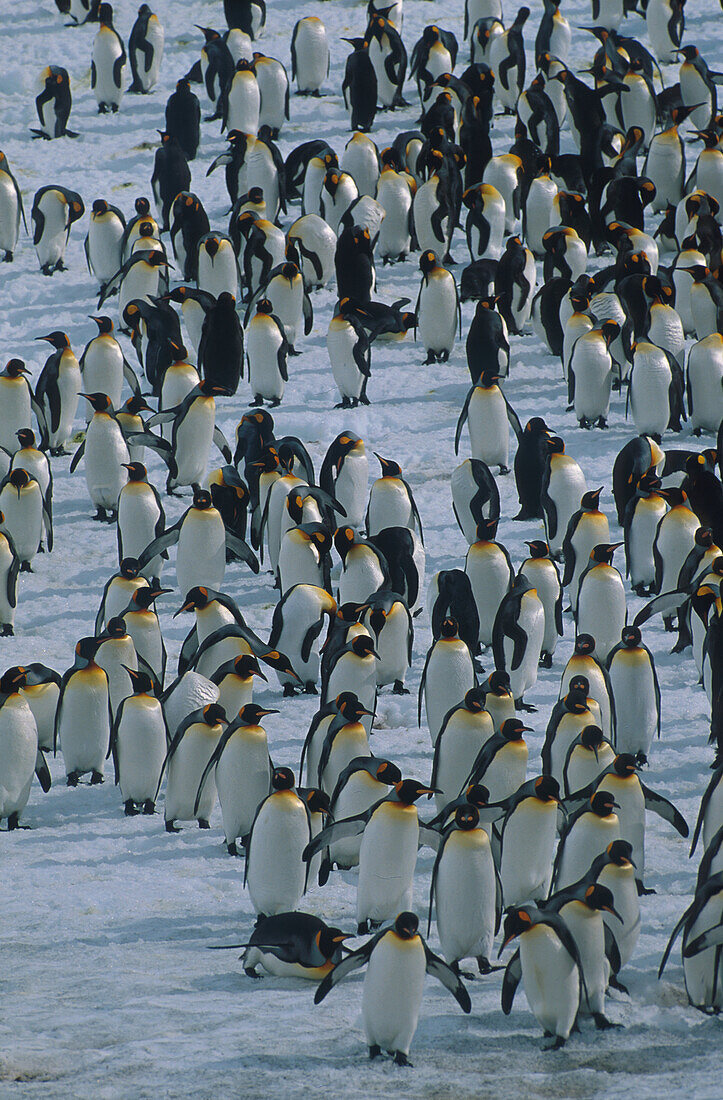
352	709
197	599
599	897
466	817
620	852
19	479
208	33
85	650
214	715
142	206
517	921
156	259
57	339
247	666
129	568
555	445
631	636
409	790
136	471
487	530
389	467
387	772
580	683
104	324
474	700
584	645
602	554
609	330
363	646
26	437
289	270
547	789
99	402
13	680
590	500
202	499
513	730
448	628
428	261
251	714
264	306
591	739
602	804
142	598
498	682
575	701
116	627
105	15
329	941
406	926
689	53
377	620
282	779
488	379
626	764
317	801
649	482
146	229
538	549
280	663
100	206
16	368
141	682
477	795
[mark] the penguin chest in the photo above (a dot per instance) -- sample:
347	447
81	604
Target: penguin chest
674	541
507	771
18	749
621	882
201	557
589	836
141	748
395	197
193	438
392	647
703	978
592	366
389	506
539	212
694	90
465	895
243	779
51	245
601	608
43	701
311	52
234	692
379	54
489	574
69	380
263	343
387	858
103	368
551	980
244	102
350	742
393	986
359	793
185	769
107	52
9	213
705	380
588	931
432	229
456	751
104	249
630	812
147	64
14	408
105	451
583	766
437	312
276	871
636	707
218	274
84	724
489	433
665	167
450	674
565	489
568	728
350	487
649	391
23	519
528	845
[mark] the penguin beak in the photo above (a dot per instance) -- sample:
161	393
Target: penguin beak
613	910
363	710
186	607
509	939
429	791
264	712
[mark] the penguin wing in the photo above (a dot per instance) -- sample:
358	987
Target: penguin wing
707	795
687	915
47	388
518	637
42	421
242	550
222	443
119	65
612	951
428	837
462	418
77	457
293	50
713	937
348	826
510	982
42	771
665	809
214	759
308	311
661	605
48	522
11	583
169	538
422	682
161	446
514	420
352	962
415	511
131	377
310	637
451	981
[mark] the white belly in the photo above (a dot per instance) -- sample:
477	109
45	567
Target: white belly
393	986
465	896
141	750
51	246
450	675
587	840
489	575
201	556
18	749
185	769
437	314
106	51
551	981
387	858
527	852
243	780
84	726
276	871
105	450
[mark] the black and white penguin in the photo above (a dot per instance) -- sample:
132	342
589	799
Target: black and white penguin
344	475
107	63
20	756
275	872
171	175
601	608
491	576
586	528
447	676
487	345
83	717
704	382
103	244
53	104
26	515
141	517
292	945
586	834
57	391
542	572
530	467
702	934
189	224
562	488
591	375
188	754
391	501
221	350
475	497
517	638
548	964
635	694
506	58
139	742
391	1010
310	57
11	210
489	416
643	514
53	212
106	457
528	833
145	50
437	309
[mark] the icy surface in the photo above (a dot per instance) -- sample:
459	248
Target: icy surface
108	988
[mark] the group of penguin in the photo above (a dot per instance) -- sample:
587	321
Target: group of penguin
556	861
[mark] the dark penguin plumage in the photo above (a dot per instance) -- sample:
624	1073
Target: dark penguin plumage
56	90
530	461
171	174
221	351
183	118
354	262
359	87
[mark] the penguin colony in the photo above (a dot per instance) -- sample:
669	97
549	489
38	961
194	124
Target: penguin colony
592	216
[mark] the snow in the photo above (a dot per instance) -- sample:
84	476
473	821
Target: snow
108	987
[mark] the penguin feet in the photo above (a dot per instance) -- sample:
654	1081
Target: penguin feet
696	431
13	822
485	966
258	400
25	567
431	358
644	891
557	1045
130	809
526	707
454	967
478	666
504	469
400	1059
399	688
374	1052
95	779
149	807
363	400
251	973
345	403
545	660
101	516
102	108
233	851
274	403
7	631
292	351
310	688
602	1023
585	423
362	928
47	269
601	422
72	779
289	691
203	824
615	984
171	828
8	257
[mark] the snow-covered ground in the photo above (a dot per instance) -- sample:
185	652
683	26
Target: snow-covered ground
107	985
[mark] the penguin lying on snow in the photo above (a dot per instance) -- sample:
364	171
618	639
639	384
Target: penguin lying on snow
291	945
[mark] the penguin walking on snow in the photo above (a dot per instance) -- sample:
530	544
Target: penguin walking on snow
106	458
275	872
310	56
139	742
518	634
437	309
107	64
145	50
53	212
